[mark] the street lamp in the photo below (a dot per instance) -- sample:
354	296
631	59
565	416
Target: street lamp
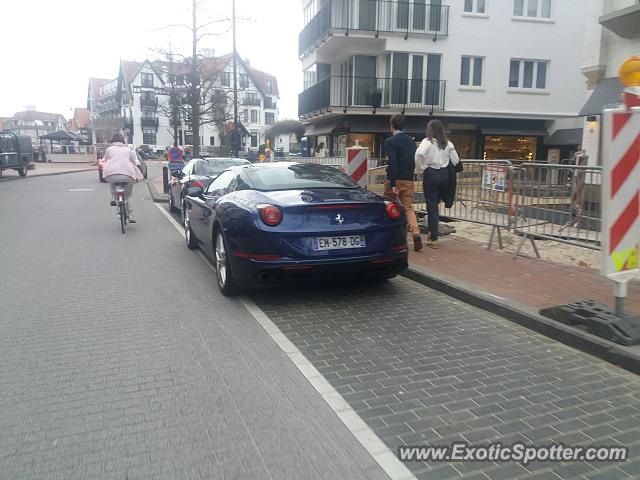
234	136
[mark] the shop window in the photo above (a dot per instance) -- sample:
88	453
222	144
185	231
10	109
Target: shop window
506	147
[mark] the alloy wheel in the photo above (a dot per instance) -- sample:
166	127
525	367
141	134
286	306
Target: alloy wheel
221	260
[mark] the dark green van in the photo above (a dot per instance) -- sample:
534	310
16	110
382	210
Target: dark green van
16	153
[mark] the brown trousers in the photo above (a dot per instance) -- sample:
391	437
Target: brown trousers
405	194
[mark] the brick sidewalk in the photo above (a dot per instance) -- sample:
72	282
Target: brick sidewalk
531	282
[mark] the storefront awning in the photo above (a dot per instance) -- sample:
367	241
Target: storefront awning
606	93
322	128
514	132
369	124
565	136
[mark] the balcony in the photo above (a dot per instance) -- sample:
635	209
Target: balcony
251	101
150	122
624	22
148	103
386	94
405	17
108	105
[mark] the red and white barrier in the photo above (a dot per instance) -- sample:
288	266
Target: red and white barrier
358	165
621	192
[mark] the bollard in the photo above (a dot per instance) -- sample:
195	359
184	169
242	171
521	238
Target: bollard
165	179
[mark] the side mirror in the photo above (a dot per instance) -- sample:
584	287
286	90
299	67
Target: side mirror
195	192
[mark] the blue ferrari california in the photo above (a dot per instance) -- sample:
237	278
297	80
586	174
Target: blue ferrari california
264	224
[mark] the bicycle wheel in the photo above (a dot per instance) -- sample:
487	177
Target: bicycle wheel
122	212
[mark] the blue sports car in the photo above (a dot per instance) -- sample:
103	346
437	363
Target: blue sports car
264	224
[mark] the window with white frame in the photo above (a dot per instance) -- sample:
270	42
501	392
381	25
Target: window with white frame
225	79
528	74
474	6
532	8
255	116
471	71
245	116
269	118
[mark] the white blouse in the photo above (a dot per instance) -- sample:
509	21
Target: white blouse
429	155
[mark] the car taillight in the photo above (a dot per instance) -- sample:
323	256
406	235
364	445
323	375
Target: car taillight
197	183
270	215
393	210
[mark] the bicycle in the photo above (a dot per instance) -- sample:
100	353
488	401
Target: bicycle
122	204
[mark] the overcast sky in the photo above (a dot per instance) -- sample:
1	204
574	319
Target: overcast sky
50	48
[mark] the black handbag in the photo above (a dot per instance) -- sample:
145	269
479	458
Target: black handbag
459	167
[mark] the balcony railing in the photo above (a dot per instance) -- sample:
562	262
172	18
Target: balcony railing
373	93
148	103
406	17
107	106
150	122
255	102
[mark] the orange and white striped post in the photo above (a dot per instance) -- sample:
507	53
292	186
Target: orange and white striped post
621	194
358	164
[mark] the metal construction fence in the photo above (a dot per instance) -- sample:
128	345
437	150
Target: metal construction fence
558	202
537	201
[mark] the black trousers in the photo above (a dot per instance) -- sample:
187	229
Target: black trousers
435	183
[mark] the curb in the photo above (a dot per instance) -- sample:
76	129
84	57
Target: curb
524	316
155	195
5	179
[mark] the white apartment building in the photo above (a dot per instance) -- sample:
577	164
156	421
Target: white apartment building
496	72
139	96
612	36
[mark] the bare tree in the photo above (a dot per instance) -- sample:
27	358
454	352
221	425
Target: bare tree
173	89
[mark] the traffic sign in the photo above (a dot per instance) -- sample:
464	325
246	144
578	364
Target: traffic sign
174	154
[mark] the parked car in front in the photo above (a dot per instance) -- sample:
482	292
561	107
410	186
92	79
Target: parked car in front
198	172
264	224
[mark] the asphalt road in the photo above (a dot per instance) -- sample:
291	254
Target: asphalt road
121	360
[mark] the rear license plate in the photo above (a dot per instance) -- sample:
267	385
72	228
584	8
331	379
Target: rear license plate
339	243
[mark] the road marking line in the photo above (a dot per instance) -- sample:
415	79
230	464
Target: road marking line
386	458
82	189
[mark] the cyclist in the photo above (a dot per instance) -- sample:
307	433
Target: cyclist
121	166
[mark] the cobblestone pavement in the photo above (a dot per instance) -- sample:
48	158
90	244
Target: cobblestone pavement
420	367
119	359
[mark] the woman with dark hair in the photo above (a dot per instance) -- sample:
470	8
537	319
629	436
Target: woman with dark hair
121	166
433	157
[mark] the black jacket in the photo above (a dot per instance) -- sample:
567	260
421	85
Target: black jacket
401	155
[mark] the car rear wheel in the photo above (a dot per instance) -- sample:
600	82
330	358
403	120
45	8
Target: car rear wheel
189	237
22	170
224	274
101	178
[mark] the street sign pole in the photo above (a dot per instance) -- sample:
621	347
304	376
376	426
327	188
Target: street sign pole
234	136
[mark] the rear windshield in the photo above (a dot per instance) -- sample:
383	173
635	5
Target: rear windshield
218	166
298	177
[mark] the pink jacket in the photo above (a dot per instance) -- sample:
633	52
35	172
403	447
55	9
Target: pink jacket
120	160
